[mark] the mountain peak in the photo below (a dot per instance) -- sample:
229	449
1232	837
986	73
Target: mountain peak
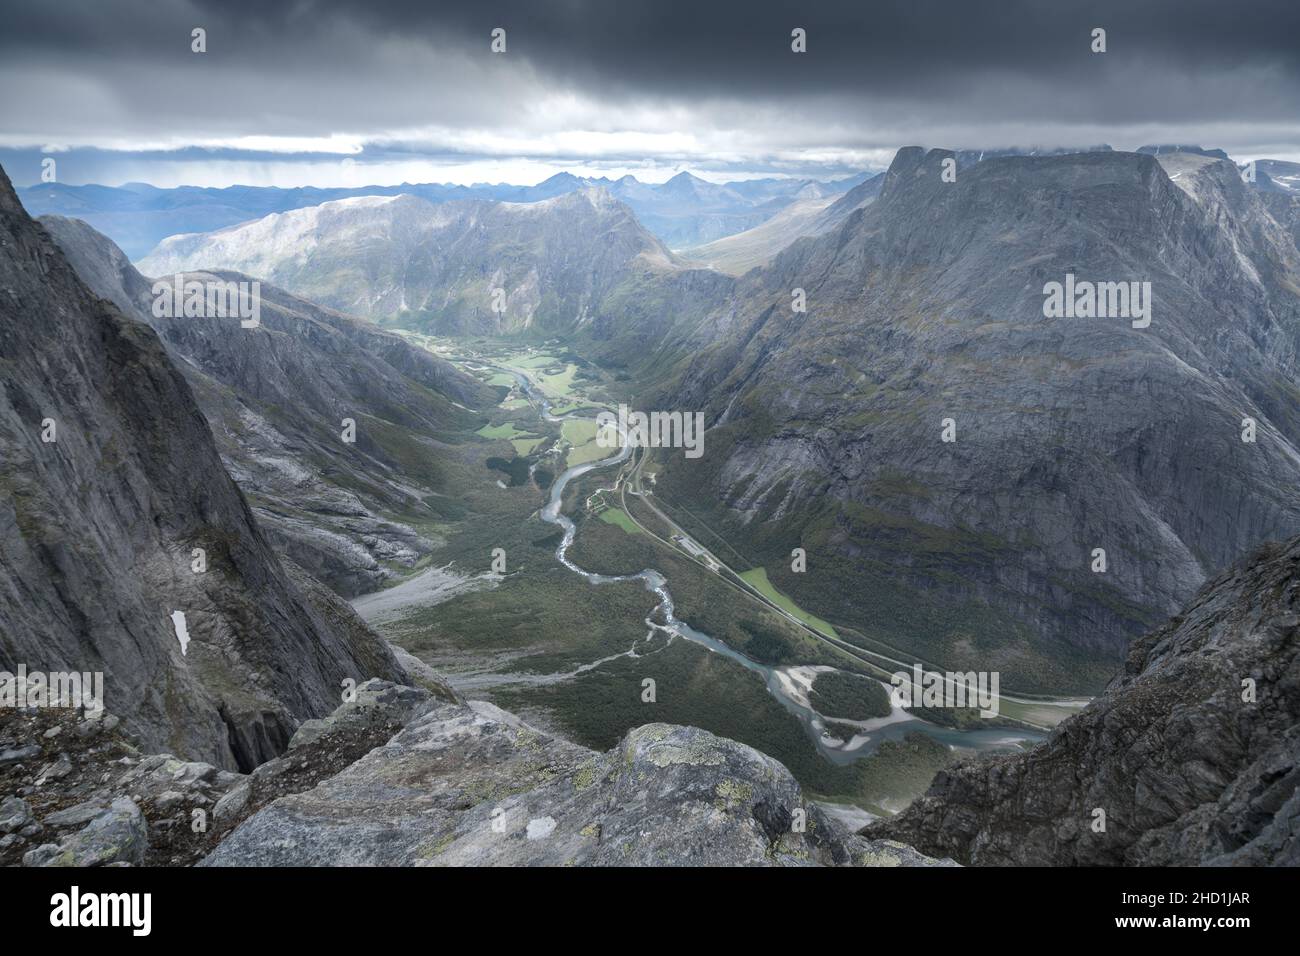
684	182
9	203
909	163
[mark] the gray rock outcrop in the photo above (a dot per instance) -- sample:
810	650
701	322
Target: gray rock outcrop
474	785
116	834
1192	756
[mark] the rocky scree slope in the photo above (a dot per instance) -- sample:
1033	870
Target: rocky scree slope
276	396
1072	434
1193	753
98	526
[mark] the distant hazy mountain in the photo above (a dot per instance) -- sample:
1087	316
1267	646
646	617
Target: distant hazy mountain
738	253
687	211
1160	150
138	216
812	216
1281	176
110	480
276	396
578	262
1071	434
1279	189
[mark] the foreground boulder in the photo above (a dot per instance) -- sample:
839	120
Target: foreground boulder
1191	757
474	785
116	834
322	748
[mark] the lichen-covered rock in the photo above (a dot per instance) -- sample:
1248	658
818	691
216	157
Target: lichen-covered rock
14	755
232	804
474	785
322	748
192	783
118	834
14	814
78	814
375	701
866	852
41	855
56	769
425	676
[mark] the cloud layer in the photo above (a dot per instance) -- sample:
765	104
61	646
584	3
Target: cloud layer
632	85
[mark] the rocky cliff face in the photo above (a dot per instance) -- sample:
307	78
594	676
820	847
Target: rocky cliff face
276	397
403	259
1071	434
1192	755
98	526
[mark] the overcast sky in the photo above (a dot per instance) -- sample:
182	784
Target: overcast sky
380	92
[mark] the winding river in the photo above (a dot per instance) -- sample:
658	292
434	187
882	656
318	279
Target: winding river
786	684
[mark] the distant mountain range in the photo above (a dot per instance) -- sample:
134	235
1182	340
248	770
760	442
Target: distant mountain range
684	211
925	302
580	262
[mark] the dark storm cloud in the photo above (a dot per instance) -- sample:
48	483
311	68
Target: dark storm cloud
896	50
701	82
